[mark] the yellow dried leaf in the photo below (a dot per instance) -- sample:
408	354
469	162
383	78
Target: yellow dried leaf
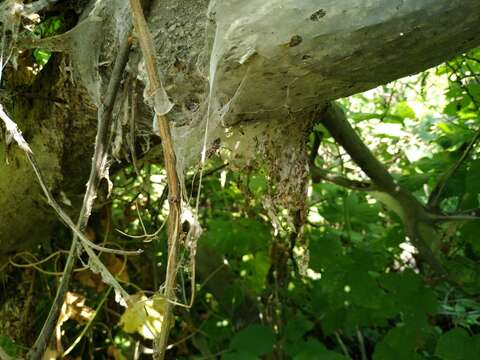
145	316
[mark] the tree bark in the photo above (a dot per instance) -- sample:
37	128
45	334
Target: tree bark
292	54
59	128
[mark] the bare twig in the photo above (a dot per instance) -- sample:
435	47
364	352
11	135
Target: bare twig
89	324
174	229
342	345
323	175
317	140
361	344
451	218
318	174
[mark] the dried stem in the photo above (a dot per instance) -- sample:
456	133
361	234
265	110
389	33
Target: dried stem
361	344
148	50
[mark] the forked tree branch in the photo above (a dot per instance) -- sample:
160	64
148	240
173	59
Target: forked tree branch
318	174
413	212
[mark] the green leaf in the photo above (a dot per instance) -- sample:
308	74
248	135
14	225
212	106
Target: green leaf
473	177
474	90
236	236
42	56
313	349
405	111
456	344
470	232
239	355
296	328
399	344
326	250
8	346
258	184
360	212
257	270
256	340
411	297
364	116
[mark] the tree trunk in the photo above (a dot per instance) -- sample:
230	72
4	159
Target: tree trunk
59	127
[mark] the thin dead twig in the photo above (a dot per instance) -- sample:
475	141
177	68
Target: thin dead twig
174	229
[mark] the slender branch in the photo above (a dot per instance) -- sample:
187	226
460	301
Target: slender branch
361	344
319	174
174	228
334	119
388	103
342	345
451	218
472	212
98	166
317	141
193	182
413	212
89	323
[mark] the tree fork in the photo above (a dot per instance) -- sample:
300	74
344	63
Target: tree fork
413	213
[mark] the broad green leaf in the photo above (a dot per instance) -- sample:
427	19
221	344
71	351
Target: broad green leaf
326	250
401	343
404	110
456	344
258	184
474	90
240	355
411	297
312	349
473	177
360	212
9	346
256	340
236	236
296	328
